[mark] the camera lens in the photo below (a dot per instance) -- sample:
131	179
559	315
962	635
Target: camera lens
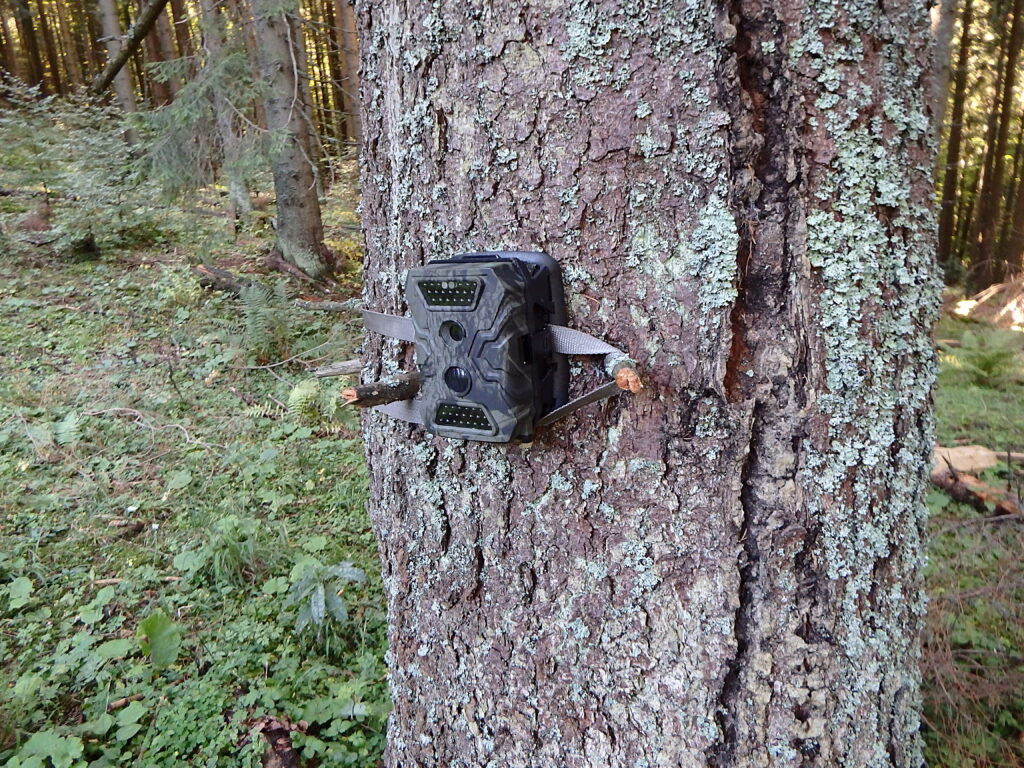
452	331
458	380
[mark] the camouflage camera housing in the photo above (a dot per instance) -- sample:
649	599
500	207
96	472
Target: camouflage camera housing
483	345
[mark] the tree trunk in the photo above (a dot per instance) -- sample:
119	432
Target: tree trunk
182	29
334	61
122	49
299	227
94	49
956	129
346	28
214	40
985	269
943	22
165	48
10	52
1009	200
241	16
112	32
52	60
307	110
724	570
70	44
29	43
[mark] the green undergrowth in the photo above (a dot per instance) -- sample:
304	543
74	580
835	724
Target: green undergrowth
974	644
981	386
185	560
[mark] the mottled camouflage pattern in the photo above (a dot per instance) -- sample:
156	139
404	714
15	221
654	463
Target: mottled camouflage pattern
503	383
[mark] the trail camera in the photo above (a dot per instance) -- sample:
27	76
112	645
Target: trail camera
491	347
483	343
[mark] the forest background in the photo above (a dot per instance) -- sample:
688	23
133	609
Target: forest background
187	574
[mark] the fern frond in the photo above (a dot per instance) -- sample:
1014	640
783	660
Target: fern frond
302	400
264	411
67	431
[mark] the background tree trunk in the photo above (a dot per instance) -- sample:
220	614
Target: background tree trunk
724	570
160	92
215	41
986	269
52	60
951	171
943	24
112	32
10	51
349	42
29	43
299	227
72	54
182	29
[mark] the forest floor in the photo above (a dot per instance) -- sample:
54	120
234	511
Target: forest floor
175	490
179	497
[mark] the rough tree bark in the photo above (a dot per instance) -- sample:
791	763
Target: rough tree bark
300	231
724	570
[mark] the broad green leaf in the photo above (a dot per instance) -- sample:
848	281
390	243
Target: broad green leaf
160	638
132	713
93	611
100	725
63	751
316	604
19	591
114	649
336	607
348	572
275	586
191	560
125	732
178	479
315	544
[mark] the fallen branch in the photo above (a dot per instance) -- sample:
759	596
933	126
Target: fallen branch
389	390
115	581
276	262
344	368
969	490
123	702
220	279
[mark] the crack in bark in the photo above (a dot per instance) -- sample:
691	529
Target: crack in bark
723	752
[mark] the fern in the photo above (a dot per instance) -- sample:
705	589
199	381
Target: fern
67	431
990	359
266	319
265	411
304	398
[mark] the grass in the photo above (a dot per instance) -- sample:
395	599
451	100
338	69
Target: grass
150	466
